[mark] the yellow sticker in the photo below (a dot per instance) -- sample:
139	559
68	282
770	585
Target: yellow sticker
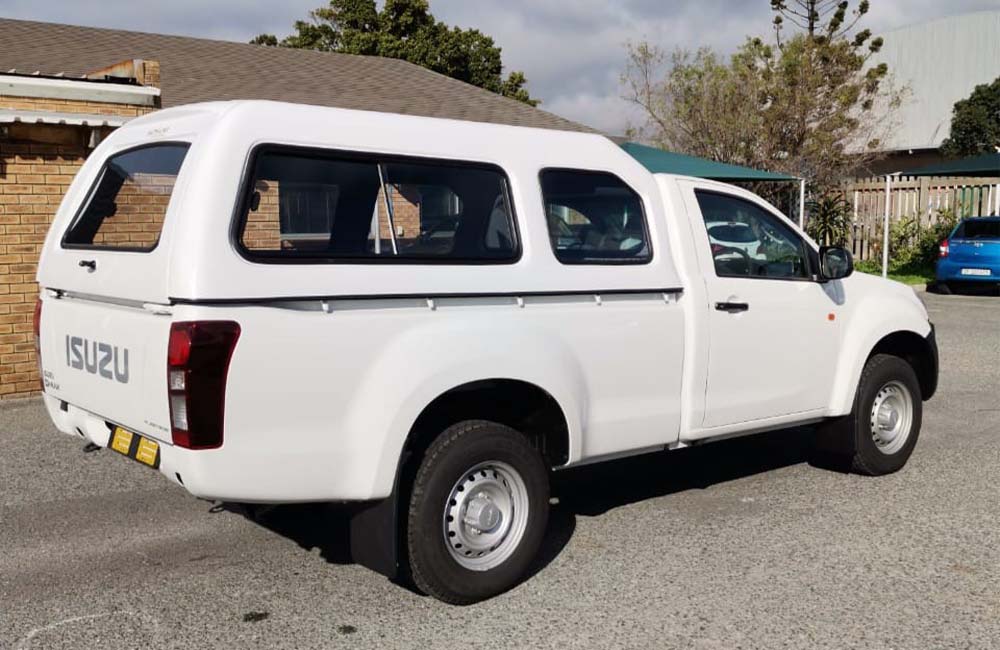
121	441
146	453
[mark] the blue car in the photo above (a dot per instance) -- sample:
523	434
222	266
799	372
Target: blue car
971	254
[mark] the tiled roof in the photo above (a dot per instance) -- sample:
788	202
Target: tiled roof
195	69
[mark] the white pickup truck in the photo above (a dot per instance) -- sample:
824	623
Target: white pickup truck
273	303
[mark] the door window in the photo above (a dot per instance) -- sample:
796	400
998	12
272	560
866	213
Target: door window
748	241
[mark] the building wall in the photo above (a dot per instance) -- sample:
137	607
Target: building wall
903	161
33	179
141	207
71	106
37	164
263	229
940	61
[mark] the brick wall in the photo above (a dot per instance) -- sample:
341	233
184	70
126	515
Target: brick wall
33	179
405	212
37	164
71	106
263	229
141	206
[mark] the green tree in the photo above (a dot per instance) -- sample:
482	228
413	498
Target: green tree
807	103
405	29
975	123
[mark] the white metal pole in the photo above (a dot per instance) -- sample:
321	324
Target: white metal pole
885	226
389	212
802	203
996	199
376	228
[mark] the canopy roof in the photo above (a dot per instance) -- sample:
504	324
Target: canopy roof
987	164
659	161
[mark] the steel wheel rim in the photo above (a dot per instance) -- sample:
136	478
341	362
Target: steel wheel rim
485	515
891	417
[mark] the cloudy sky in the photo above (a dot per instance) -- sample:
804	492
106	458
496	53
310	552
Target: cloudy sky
572	51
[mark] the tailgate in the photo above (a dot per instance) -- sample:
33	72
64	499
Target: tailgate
975	251
109	359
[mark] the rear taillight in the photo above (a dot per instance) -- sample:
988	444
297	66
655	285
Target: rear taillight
943	249
198	356
36	328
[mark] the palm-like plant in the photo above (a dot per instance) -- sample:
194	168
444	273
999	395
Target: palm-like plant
830	221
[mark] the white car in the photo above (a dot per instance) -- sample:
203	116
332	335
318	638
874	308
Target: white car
734	234
273	303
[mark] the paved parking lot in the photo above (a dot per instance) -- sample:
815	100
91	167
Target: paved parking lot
737	544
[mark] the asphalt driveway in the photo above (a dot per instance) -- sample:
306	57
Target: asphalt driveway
737	544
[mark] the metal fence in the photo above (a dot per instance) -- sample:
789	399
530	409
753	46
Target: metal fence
922	198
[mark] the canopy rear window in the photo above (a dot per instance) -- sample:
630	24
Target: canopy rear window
310	205
126	206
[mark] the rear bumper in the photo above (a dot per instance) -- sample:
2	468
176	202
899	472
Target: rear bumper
951	271
244	474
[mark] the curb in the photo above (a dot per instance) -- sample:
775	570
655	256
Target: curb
12	403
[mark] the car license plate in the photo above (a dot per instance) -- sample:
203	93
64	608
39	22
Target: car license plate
975	272
135	447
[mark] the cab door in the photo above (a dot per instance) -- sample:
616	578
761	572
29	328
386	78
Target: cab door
773	335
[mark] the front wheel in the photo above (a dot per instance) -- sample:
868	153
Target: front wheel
477	513
880	433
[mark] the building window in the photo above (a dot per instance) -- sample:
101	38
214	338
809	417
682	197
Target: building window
594	218
322	206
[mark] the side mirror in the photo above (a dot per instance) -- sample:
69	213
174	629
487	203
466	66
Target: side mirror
835	263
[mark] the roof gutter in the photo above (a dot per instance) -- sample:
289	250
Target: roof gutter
61	119
77	90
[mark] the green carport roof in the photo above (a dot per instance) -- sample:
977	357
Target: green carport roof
659	161
987	164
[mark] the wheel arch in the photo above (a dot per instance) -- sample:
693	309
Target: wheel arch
519	404
375	529
919	351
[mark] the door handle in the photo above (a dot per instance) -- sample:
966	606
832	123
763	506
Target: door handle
732	307
90	265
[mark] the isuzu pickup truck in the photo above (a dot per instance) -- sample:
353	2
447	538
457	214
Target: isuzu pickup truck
275	303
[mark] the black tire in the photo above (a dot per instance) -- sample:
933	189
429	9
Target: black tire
942	288
850	438
453	453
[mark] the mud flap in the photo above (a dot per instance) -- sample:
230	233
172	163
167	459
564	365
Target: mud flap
374	536
376	527
835	444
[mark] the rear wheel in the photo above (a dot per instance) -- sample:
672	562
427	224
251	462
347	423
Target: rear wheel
477	512
880	433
